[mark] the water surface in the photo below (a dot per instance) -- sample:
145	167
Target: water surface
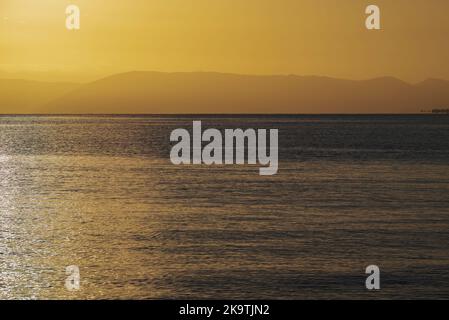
100	192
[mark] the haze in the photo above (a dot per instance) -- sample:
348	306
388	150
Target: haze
304	37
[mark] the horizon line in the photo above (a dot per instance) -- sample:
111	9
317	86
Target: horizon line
229	74
192	115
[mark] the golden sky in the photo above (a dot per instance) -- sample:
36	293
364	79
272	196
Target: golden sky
305	37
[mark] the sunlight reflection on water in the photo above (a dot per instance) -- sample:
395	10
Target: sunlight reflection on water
100	193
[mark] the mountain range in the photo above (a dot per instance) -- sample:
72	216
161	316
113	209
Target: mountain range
209	92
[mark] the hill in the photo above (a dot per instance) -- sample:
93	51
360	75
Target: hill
23	96
205	92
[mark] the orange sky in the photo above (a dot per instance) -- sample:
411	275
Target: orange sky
319	37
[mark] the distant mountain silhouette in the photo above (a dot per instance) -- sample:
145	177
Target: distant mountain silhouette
22	96
207	92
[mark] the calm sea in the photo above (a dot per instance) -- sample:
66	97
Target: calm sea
101	193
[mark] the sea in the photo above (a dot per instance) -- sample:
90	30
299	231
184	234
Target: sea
99	192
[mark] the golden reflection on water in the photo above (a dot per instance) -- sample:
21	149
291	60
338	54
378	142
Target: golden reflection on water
102	195
61	211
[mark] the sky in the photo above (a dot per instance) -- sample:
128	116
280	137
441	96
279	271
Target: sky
304	37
